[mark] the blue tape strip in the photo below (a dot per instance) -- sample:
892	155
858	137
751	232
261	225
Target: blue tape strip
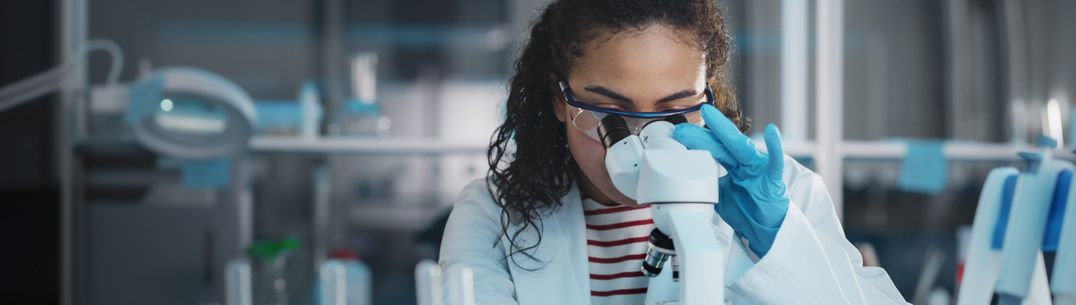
206	174
1007	192
144	99
924	167
277	114
1057	211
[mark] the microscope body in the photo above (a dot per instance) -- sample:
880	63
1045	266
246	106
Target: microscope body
681	187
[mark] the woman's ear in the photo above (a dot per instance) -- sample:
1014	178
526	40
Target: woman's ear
558	101
558	108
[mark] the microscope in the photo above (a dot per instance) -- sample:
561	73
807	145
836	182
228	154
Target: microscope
681	187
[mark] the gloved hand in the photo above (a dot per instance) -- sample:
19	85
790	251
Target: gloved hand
753	199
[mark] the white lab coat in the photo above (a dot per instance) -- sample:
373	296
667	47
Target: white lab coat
811	261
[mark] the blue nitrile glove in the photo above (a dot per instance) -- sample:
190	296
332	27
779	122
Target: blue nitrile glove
753	200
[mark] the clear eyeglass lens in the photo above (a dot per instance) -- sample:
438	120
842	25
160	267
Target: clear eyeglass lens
694	117
587	121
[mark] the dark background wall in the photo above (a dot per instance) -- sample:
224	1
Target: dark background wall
29	200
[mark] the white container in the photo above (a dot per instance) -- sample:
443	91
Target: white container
310	104
344	281
238	283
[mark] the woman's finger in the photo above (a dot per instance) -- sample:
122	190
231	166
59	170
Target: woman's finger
738	144
695	137
776	153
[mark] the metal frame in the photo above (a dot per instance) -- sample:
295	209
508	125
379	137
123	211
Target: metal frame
794	30
74	28
829	96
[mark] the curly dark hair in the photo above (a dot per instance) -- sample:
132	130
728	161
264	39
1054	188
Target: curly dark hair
540	169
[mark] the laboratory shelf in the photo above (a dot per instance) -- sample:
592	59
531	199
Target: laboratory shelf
396	217
325	145
882	150
954	151
271	144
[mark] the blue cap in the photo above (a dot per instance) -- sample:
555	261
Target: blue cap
1045	142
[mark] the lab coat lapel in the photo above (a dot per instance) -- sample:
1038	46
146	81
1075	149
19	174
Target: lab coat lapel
560	274
574	224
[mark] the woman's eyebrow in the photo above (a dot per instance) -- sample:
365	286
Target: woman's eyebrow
610	94
679	95
623	99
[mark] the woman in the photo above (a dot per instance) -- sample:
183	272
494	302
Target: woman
548	226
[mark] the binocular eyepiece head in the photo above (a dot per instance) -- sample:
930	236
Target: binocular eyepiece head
613	128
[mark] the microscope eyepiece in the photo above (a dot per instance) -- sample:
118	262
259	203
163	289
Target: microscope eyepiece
612	129
676	119
673	119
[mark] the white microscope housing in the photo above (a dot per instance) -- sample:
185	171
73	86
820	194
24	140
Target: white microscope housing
681	187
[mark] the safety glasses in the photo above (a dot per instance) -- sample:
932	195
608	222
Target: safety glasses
587	117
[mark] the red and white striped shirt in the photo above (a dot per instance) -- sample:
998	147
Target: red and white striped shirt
616	245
